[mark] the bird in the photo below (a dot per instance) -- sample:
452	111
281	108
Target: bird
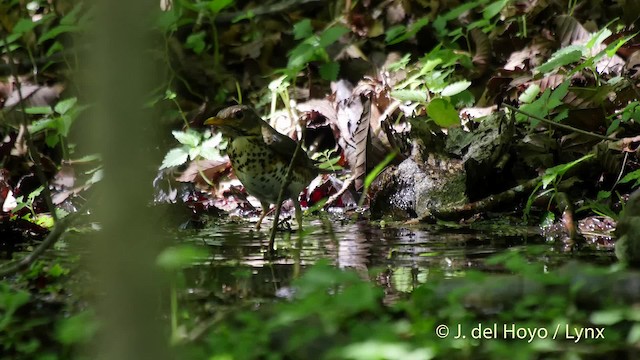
260	157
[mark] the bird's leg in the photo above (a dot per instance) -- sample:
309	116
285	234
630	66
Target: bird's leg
296	204
265	210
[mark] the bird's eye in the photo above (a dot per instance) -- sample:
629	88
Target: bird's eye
238	114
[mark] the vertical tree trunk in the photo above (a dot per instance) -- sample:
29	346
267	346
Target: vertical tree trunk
120	80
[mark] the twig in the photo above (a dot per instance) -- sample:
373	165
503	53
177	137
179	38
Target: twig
285	185
345	187
559	125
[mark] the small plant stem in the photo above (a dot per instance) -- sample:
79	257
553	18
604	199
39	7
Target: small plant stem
285	185
559	125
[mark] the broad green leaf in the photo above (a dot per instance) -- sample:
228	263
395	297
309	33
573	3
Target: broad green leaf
597	38
634	175
301	55
493	9
455	88
400	64
463	99
189	137
71	18
608	317
332	35
167	20
60	29
394	32
217	5
329	71
399	33
410	95
64	124
40	125
56	47
302	29
443	113
556	172
52	139
194	153
196	42
562	57
175	157
39	110
555	99
612	48
529	94
210	148
77	329
64	105
23	26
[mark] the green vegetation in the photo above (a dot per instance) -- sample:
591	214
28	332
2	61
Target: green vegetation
367	86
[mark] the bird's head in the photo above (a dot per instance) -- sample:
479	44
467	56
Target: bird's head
238	120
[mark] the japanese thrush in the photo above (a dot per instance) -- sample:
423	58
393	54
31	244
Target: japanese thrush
260	157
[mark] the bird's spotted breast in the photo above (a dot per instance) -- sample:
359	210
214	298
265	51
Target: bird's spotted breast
262	171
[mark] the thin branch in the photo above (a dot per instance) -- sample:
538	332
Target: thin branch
559	125
285	185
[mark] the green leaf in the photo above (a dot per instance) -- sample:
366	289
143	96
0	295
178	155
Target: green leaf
493	9
399	33
556	172
597	38
634	175
210	148
410	95
175	157
607	317
378	169
555	99
455	88
217	5
443	113
196	42
329	71
56	47
43	124
190	138
23	26
394	33
300	56
181	256
39	110
52	139
60	29
332	35
194	153
80	328
64	105
529	94
71	17
562	57
302	29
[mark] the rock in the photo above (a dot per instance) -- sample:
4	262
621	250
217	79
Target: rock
414	188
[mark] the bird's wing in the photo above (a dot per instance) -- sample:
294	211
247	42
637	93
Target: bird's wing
283	145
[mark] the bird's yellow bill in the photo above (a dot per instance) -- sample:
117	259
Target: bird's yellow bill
215	121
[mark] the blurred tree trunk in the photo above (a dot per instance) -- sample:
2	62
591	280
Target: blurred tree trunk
120	79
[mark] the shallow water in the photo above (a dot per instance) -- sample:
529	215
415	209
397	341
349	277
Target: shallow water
397	257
